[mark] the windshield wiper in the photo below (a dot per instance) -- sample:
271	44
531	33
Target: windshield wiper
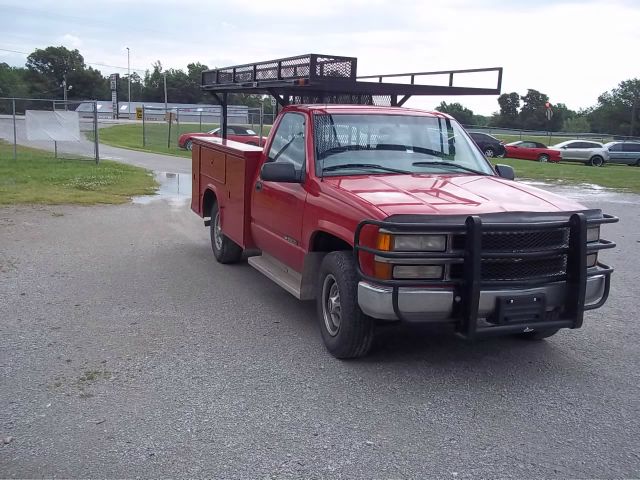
342	148
363	166
449	164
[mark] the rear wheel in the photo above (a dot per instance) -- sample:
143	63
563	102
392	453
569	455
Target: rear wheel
543	158
188	145
537	335
596	161
489	152
224	249
346	331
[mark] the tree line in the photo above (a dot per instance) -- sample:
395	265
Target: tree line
47	70
617	112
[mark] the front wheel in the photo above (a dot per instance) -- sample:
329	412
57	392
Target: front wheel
596	161
346	331
489	152
543	158
188	145
224	249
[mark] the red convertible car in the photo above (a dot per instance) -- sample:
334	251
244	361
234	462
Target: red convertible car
234	132
531	151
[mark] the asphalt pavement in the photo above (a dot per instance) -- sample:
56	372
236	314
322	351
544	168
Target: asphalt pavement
127	351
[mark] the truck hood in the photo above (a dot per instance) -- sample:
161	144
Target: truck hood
449	194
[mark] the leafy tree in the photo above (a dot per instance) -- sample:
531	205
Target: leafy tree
577	124
47	68
532	113
456	110
12	81
509	105
614	110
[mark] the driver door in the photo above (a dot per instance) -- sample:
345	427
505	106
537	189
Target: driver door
277	208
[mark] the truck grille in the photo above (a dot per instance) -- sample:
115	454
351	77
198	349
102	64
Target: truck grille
550	267
519	241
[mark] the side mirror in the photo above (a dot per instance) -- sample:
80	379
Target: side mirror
505	171
283	172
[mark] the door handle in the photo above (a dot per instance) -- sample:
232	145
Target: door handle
258	186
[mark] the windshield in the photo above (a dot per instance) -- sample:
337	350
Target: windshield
353	144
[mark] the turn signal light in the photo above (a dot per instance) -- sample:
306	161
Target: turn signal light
384	242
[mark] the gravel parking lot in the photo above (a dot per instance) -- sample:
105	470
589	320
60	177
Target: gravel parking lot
126	351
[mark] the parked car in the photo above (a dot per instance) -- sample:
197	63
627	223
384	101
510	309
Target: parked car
531	151
585	151
627	153
490	146
234	132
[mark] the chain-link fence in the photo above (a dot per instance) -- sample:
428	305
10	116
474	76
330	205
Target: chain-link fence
160	129
550	138
68	129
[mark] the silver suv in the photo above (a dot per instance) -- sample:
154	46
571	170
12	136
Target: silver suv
627	153
585	151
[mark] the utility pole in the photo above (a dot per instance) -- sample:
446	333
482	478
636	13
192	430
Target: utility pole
129	84
165	92
633	115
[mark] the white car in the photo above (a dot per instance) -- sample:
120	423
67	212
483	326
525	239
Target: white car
585	151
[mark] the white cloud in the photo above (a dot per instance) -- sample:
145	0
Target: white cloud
70	41
571	51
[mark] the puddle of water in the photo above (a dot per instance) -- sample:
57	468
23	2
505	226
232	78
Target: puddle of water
175	188
584	191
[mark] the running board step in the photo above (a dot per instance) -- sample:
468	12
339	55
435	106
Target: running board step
278	272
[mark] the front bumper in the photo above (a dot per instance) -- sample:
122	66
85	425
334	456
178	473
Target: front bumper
426	305
480	300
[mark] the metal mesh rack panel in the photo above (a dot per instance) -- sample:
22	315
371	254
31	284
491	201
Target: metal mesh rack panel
309	67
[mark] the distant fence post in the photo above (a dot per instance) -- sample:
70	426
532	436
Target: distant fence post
15	136
96	141
144	142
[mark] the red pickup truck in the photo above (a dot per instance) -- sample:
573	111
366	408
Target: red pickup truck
388	214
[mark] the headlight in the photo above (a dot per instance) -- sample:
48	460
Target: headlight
412	243
593	234
430	272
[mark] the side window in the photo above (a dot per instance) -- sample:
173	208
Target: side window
230	131
288	142
616	148
631	147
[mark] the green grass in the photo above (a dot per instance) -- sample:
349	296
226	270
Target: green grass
619	177
156	135
36	177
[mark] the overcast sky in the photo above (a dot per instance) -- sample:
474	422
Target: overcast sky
571	50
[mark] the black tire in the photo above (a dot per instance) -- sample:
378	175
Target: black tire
538	335
188	145
544	158
346	331
224	249
489	152
596	161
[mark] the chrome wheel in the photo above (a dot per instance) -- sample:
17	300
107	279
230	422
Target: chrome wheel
331	309
543	158
217	231
188	145
489	152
